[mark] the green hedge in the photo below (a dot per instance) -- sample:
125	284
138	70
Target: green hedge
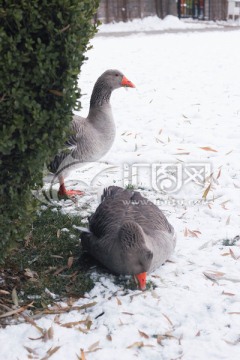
42	46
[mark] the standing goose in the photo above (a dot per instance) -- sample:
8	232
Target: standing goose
92	136
129	234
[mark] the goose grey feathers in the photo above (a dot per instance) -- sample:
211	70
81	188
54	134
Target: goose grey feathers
129	234
93	136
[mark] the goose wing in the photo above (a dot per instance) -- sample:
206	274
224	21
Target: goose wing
148	215
112	211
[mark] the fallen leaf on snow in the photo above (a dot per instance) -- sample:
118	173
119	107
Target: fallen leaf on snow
33	323
219	173
31	351
191	233
214	276
234	313
233	255
208	148
127	313
143	334
17	311
109	337
232	342
228	293
93	346
50	352
138	344
182	153
166	317
205	194
118	301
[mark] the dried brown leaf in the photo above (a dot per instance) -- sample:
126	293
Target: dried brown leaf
65	28
192	233
233	342
228	293
84	331
94	346
30	274
160	338
33	323
61	310
118	301
57	256
61	269
56	92
50	333
73	323
138	344
234	313
208	148
233	255
214	276
109	337
166	317
143	334
70	262
50	352
56	319
82	355
4	292
182	153
14	297
38	338
31	351
198	333
85	306
127	313
88	323
206	191
219	173
185	232
14	312
181	216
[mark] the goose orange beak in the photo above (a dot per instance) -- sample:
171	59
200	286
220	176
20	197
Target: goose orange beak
127	83
141	280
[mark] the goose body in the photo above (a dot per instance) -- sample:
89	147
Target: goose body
129	234
91	137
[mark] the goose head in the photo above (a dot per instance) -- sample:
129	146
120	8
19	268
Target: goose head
115	79
136	258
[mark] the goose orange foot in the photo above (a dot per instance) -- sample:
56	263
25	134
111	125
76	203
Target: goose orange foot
63	192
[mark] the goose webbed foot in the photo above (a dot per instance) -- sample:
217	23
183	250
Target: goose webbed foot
63	192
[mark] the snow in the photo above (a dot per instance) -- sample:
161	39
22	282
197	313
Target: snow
154	23
184	112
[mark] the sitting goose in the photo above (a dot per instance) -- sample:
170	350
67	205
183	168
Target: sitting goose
92	136
129	234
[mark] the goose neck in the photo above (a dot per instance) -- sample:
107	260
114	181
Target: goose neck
101	94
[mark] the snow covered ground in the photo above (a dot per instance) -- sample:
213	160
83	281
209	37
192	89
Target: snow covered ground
183	120
154	23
